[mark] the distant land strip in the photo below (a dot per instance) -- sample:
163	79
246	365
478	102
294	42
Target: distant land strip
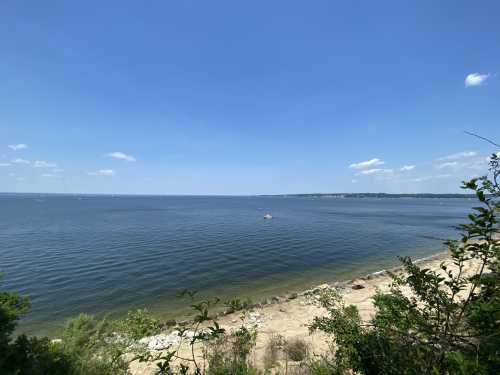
371	195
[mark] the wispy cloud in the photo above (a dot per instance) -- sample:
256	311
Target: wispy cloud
376	171
102	172
427	178
57	170
50	175
477	164
367	164
406	168
5	164
20	146
20	161
121	156
449	164
459	155
421	179
476	79
43	164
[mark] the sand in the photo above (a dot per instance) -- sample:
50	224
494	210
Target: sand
291	317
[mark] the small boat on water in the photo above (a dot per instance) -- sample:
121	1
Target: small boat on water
268	216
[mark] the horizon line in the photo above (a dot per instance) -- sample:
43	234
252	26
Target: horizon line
224	195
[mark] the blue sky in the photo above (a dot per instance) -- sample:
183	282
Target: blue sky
261	97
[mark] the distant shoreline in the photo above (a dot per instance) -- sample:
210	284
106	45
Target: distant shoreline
372	195
294	195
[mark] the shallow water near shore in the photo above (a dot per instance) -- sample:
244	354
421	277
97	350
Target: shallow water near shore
104	254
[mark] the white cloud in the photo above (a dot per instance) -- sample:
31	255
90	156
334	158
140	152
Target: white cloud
102	172
367	164
459	155
376	171
476	79
20	146
121	156
420	179
405	168
427	178
5	164
50	175
43	164
448	164
478	164
20	161
57	170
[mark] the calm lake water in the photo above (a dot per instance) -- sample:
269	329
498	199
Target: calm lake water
103	254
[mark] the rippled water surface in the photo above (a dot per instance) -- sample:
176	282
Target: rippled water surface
99	254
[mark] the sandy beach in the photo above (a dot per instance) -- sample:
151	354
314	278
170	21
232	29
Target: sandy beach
290	315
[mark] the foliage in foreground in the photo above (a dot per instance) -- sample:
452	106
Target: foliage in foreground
92	346
450	324
222	352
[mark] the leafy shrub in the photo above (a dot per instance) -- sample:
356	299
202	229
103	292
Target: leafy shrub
296	349
138	324
12	306
26	355
94	346
36	356
237	304
230	352
451	322
272	351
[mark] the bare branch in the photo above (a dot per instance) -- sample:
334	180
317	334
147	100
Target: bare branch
483	138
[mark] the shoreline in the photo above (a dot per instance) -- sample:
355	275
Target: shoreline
290	315
262	294
382	274
339	284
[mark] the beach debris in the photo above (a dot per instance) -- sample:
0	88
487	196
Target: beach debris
254	320
317	290
323	287
339	284
165	341
292	296
275	299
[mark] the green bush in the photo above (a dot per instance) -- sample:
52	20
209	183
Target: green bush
237	304
296	349
27	355
94	346
451	322
272	351
36	356
230	352
138	324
